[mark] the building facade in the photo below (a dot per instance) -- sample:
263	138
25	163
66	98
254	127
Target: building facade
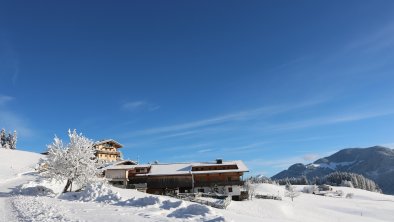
107	150
216	178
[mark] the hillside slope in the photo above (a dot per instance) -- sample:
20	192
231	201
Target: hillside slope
104	205
13	166
15	162
376	163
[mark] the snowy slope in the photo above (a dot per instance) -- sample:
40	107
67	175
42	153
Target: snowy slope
14	168
15	162
101	203
25	196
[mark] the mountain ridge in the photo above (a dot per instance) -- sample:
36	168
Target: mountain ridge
376	163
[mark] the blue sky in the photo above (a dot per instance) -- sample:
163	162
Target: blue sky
269	82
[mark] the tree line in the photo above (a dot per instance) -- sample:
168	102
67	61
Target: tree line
345	179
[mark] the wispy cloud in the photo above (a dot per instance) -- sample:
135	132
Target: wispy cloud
310	157
5	99
244	148
327	120
378	39
186	147
139	105
228	118
279	164
204	151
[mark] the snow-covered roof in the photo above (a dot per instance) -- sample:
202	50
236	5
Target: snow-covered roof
125	162
117	163
185	168
126	167
108	141
240	164
170	169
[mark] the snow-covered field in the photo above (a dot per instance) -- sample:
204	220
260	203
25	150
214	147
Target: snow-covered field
26	197
15	162
364	206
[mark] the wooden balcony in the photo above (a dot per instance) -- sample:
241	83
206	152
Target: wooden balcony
218	183
117	153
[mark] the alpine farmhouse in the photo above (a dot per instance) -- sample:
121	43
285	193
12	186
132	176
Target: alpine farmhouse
218	177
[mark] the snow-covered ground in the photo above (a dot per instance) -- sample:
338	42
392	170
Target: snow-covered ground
15	162
26	197
364	206
15	167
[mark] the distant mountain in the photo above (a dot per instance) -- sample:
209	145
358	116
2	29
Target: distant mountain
376	163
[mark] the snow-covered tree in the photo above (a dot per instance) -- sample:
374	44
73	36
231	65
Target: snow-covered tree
250	188
74	162
14	140
350	179
11	140
3	138
8	141
346	183
291	192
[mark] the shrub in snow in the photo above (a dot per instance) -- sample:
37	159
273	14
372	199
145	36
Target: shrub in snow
310	189
96	191
74	162
291	192
339	193
349	195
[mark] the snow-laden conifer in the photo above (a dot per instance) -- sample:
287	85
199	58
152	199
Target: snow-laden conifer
13	140
8	141
3	139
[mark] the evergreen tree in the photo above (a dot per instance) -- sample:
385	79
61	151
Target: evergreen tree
8	141
13	140
3	138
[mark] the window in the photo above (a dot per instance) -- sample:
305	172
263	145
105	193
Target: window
230	189
201	190
137	170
